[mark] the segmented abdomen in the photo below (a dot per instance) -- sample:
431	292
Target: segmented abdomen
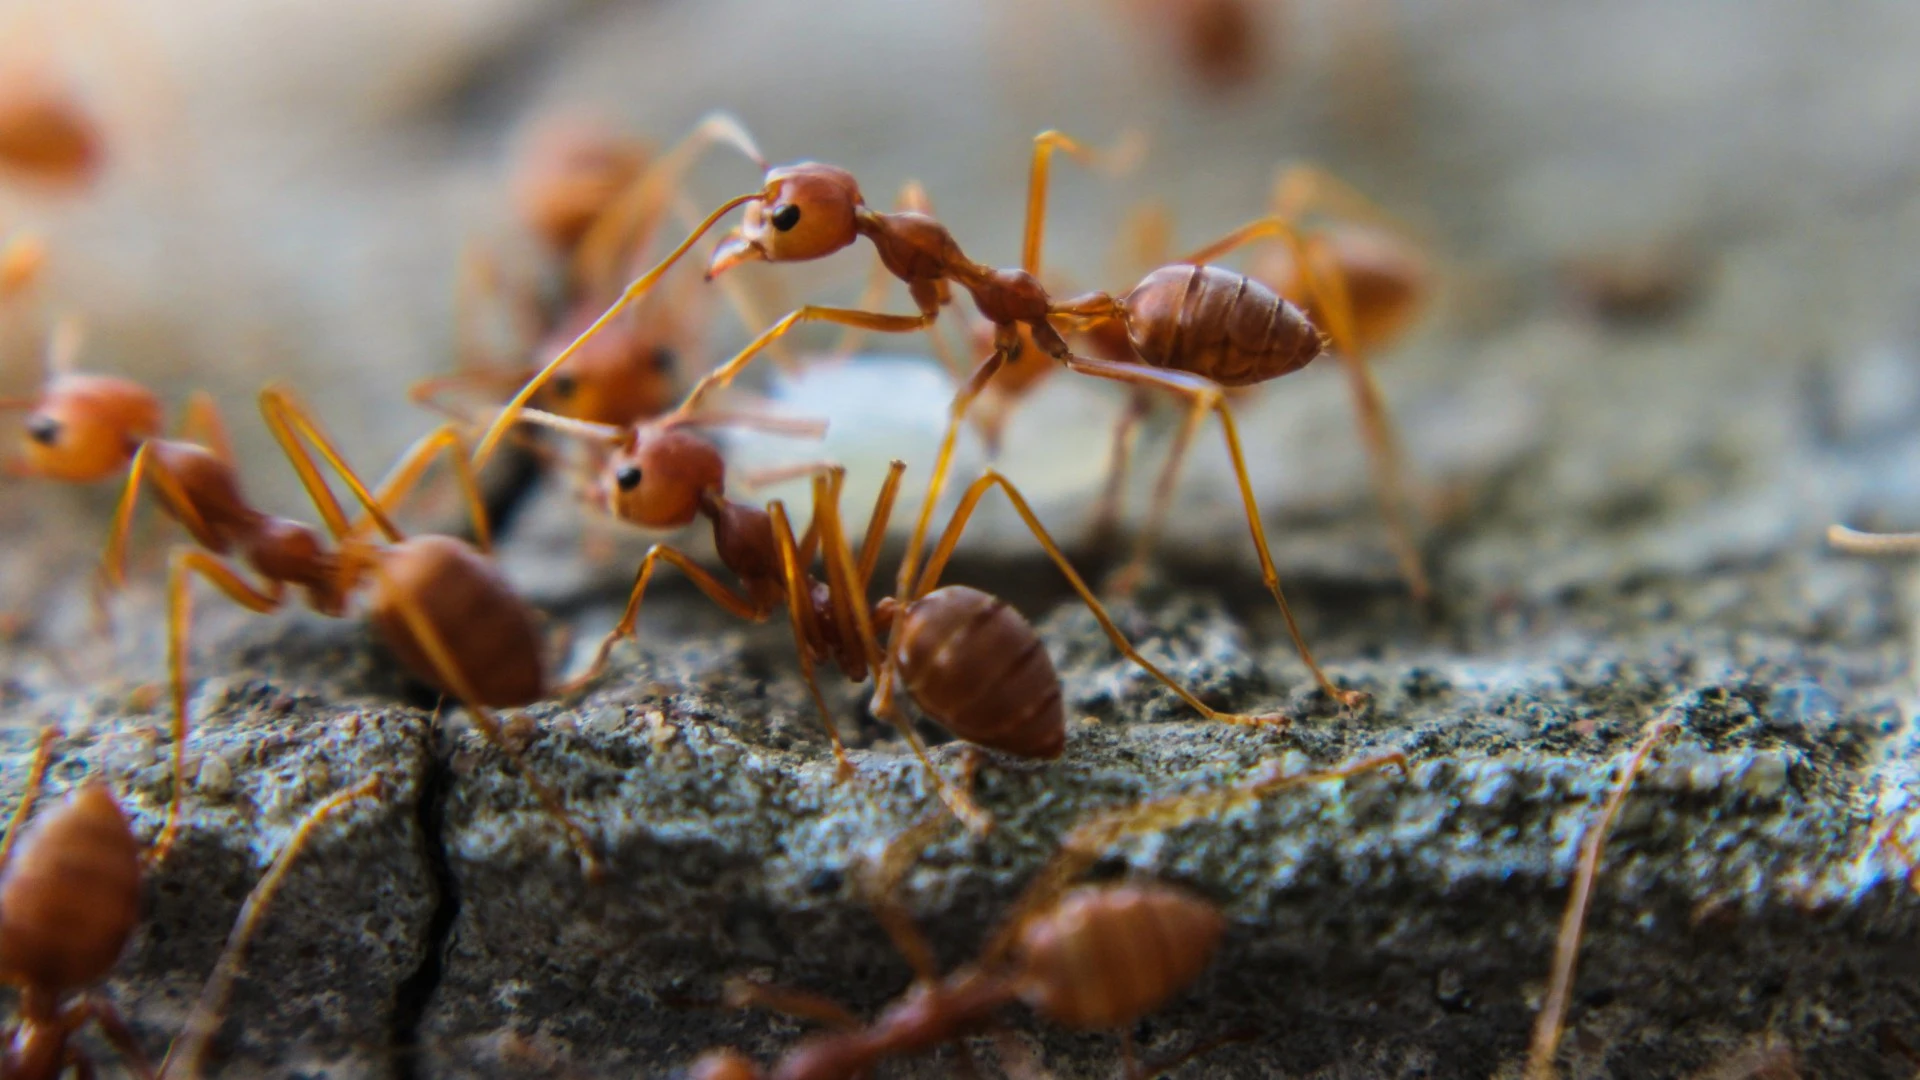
979	669
1219	324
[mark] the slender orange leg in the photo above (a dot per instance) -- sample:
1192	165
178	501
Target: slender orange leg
1206	395
628	222
800	1004
448	674
1854	542
202	424
288	421
733	289
951	539
805	624
203	1023
724	375
884	883
633	292
1301	188
1106	512
114	562
118	1032
406	472
187	562
36	776
1384	456
876	537
1566	953
1125	154
716	590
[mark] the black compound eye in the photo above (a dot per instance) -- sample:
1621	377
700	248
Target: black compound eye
564	385
786	217
43	429
665	359
628	477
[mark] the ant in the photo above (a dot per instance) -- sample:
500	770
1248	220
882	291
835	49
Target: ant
82	428
1196	330
442	607
970	661
1087	957
71	899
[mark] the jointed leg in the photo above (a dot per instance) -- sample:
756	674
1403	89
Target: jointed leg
187	562
724	375
1566	953
119	1033
633	292
204	1021
951	538
883	893
717	590
114	562
1301	189
1106	512
1128	577
747	994
913	198
804	622
876	537
1205	395
202	424
449	675
1124	155
406	473
289	422
36	776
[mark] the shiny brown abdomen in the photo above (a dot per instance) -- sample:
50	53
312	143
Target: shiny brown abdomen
1106	955
70	897
978	668
1218	324
491	633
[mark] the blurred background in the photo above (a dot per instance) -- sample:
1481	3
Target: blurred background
1669	243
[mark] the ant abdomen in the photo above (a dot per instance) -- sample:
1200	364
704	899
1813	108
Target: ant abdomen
1219	324
1107	955
494	635
976	666
70	897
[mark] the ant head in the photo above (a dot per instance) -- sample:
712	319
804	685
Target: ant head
621	376
806	212
658	480
87	427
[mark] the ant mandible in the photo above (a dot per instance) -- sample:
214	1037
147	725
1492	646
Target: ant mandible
70	900
1086	957
1196	329
444	610
947	643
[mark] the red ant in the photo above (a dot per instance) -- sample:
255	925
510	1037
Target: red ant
442	607
70	900
965	657
1087	957
1196	329
81	428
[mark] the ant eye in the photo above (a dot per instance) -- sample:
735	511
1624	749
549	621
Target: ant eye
43	430
665	360
786	217
564	385
628	477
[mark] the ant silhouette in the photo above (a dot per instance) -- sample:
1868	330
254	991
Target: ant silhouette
1086	957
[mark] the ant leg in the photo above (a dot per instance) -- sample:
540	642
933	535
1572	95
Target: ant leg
1087	842
724	375
951	538
22	260
1272	226
634	291
114	562
406	472
1206	395
1566	953
204	1021
716	590
1854	542
628	222
36	777
1302	188
1125	154
913	198
1106	512
202	424
114	1026
895	862
288	421
448	674
748	994
187	562
804	621
876	537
